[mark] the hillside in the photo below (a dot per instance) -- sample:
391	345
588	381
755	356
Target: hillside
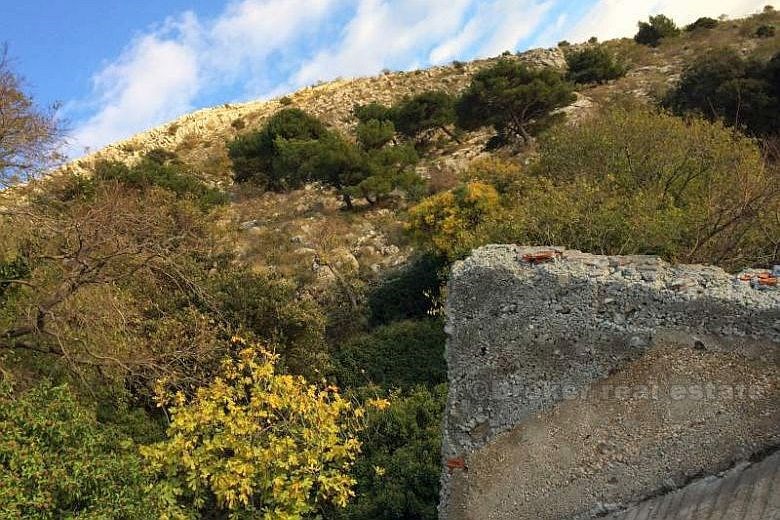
243	312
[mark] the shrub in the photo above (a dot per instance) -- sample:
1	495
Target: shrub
636	181
375	133
399	355
593	65
765	31
454	222
58	461
398	473
721	84
407	293
257	443
704	22
658	28
564	43
161	169
593	40
285	101
365	113
516	100
256	156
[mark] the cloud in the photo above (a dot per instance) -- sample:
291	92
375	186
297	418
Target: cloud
155	79
258	48
615	18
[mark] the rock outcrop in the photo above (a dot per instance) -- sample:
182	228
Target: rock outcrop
582	385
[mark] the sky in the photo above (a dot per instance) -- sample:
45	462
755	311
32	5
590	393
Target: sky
118	67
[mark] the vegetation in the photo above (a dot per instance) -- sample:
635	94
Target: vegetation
257	443
515	100
724	85
593	65
704	22
58	461
29	136
656	29
418	116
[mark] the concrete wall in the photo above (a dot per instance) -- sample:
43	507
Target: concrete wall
587	384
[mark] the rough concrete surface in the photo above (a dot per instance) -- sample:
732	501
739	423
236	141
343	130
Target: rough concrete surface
586	384
748	492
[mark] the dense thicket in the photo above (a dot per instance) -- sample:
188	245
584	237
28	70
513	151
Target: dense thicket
724	85
593	65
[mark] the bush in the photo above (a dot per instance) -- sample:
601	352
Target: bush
58	461
256	156
270	310
452	223
400	355
516	100
408	292
593	65
723	85
765	31
257	444
564	43
636	181
658	28
704	22
161	169
365	113
400	467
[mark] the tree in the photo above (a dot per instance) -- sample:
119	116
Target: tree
516	100
658	28
256	156
593	65
58	461
257	443
374	110
29	137
723	85
704	22
417	116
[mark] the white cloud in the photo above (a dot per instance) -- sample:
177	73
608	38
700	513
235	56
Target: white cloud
155	79
263	47
615	18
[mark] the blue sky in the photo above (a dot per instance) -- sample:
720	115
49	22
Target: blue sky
120	67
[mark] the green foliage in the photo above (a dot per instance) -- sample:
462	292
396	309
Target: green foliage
160	169
765	31
564	43
57	461
257	155
257	444
723	85
630	181
270	310
593	65
516	100
14	269
418	116
704	22
375	133
365	113
658	28
398	473
400	355
409	292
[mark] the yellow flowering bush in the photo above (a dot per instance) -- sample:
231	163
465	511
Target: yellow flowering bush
256	443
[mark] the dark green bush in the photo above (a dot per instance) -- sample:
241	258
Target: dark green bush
400	355
765	31
408	292
723	85
365	113
704	22
593	65
399	468
658	28
516	100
